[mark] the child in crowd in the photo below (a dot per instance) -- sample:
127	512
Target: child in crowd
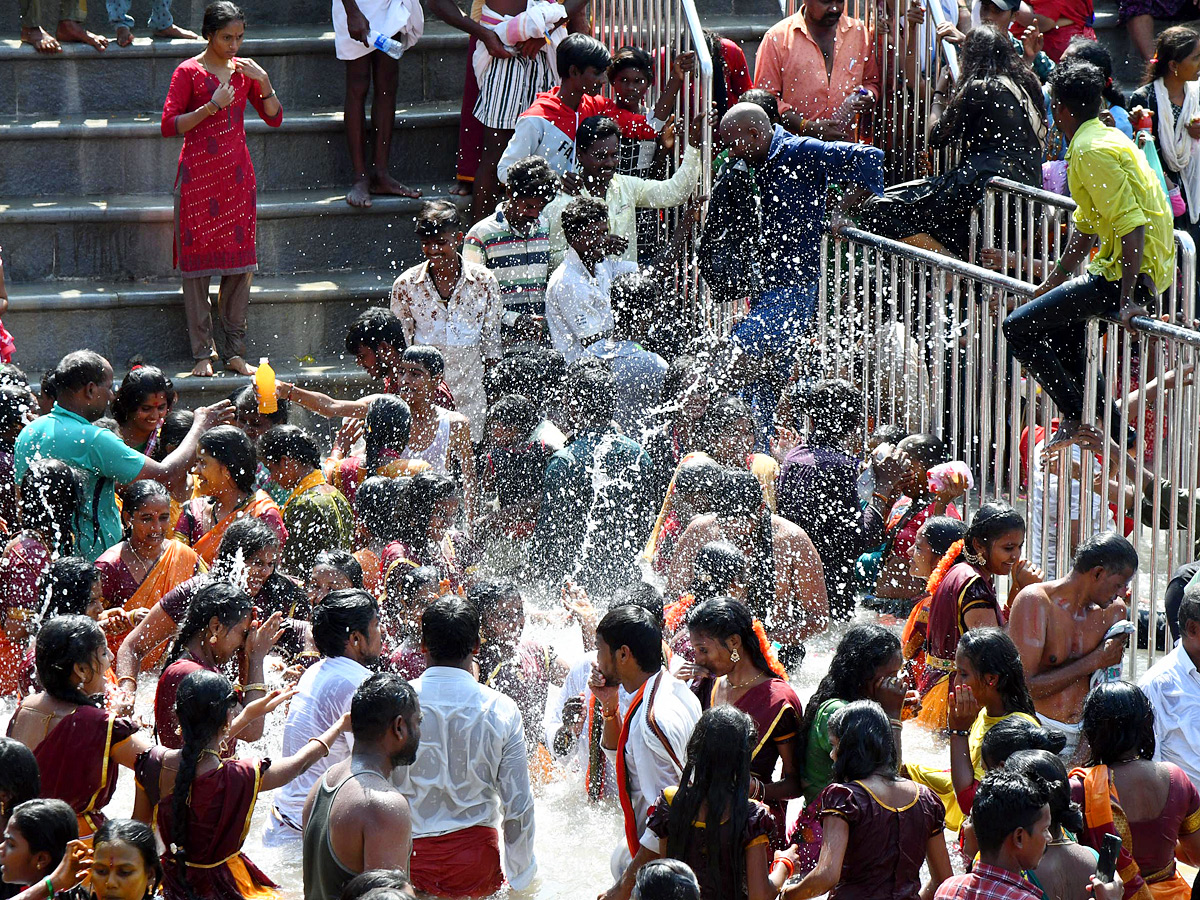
513	468
630	75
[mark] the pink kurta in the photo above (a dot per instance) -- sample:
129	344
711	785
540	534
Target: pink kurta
215	188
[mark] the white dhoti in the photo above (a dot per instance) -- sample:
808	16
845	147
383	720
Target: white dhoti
1073	733
402	20
464	376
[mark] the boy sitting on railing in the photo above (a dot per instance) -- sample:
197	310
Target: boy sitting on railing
1121	202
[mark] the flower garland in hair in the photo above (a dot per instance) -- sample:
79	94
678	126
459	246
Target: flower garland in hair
677	612
943	566
768	651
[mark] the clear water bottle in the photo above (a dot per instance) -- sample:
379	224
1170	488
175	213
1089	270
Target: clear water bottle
380	41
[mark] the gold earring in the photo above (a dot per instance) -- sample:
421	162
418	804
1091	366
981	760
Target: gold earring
735	657
212	639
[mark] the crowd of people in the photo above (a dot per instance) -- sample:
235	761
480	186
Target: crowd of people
549	442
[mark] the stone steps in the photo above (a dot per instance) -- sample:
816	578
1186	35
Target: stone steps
134	79
291	319
129	238
125	155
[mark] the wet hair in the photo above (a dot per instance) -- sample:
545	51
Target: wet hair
581	214
992	652
639	593
140	837
531	177
942	531
835	407
388	426
174	429
741	496
219	600
231	447
1173	44
1013	734
681	372
766	101
342	561
991	521
66	587
489	593
378	702
666	879
219	14
636	298
47	826
633	627
136	386
77	370
136	495
722	414
987	54
374	327
339	615
428	358
628	57
715	777
291	442
865	743
593	129
51	499
19	777
718	565
375	506
12	375
62	642
516	412
1118	721
202	705
724	617
592	389
424	492
403	582
450	629
1051	771
245	403
378	884
244	538
862	650
1004	802
1079	86
1106	550
927	449
15	403
1091	50
1189	606
583	52
700	474
889	434
47	386
438	217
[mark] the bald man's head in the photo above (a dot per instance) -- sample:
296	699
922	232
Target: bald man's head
746	130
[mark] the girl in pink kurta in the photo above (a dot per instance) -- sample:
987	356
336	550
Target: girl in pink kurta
215	187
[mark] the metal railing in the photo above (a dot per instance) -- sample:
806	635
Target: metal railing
921	334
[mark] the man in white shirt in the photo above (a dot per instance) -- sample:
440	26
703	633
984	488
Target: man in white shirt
1173	686
578	307
471	771
647	744
345	628
454	305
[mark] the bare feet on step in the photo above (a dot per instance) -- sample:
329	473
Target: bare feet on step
386	184
240	366
40	39
124	36
203	368
177	33
74	33
360	194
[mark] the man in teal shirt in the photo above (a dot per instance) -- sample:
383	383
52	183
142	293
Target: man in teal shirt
83	381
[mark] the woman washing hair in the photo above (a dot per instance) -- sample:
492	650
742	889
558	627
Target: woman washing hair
742	671
197	793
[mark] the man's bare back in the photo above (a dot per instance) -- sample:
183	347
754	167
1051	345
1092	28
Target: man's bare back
1059	637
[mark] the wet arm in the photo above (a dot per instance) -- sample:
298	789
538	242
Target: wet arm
789	785
939	864
146	635
323	404
300	762
828	871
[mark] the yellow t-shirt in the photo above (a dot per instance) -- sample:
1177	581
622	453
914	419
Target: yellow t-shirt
982	725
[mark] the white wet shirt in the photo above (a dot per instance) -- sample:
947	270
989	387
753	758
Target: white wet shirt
578	305
1173	687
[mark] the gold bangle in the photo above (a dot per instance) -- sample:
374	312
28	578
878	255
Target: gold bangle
321	742
125	678
259	686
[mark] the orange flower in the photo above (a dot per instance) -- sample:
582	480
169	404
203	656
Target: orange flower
768	651
943	566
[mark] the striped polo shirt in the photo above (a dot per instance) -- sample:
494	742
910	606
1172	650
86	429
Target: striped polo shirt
520	262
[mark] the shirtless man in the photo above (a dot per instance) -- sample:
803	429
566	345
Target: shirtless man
1059	628
355	819
799	607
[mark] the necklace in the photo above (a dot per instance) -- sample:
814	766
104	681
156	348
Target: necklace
737	687
146	566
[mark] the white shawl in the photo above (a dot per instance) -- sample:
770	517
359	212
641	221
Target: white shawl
1178	148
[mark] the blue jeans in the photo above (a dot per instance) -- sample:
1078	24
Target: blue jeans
160	14
770	332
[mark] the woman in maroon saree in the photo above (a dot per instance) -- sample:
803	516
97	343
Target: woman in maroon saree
741	670
78	744
202	804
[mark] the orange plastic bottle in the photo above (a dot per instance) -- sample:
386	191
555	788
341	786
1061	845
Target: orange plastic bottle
264	386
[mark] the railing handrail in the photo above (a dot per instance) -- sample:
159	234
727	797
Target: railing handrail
1038	194
937	14
948	263
1159	328
699	44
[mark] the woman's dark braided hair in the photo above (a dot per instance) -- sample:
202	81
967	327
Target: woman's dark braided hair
63	642
722	618
202	706
716	777
862	650
992	652
225	602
